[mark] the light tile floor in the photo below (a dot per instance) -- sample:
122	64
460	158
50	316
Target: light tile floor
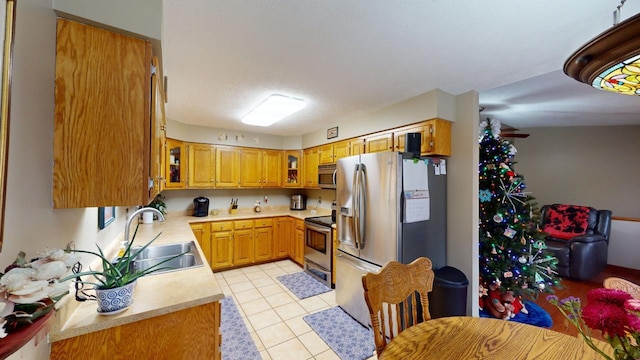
273	314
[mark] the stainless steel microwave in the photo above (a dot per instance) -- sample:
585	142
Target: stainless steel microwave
327	176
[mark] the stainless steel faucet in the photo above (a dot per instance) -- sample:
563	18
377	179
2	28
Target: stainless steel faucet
133	215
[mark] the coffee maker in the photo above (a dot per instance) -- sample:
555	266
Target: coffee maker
200	206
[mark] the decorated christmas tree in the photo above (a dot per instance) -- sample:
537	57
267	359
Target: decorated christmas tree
512	252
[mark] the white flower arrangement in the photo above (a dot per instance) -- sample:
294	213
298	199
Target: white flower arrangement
30	289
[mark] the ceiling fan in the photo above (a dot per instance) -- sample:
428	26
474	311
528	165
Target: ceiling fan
510	132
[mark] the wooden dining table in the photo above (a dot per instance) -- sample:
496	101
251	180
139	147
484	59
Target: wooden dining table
465	337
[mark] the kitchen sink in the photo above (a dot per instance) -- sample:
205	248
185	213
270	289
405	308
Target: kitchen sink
179	256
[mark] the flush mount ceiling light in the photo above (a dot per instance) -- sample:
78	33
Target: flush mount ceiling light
611	61
275	108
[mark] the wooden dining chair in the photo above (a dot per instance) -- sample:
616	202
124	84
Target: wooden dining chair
624	285
391	296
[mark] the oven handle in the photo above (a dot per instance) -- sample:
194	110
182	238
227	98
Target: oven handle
321	229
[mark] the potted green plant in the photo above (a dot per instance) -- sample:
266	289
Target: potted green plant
114	284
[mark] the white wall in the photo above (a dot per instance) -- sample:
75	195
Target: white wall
592	166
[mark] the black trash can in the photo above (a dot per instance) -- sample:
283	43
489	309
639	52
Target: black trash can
449	294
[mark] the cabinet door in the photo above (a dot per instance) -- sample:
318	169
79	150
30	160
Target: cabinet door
227	167
271	168
251	172
311	160
299	246
201	232
263	243
243	247
439	137
175	164
201	166
357	147
400	135
102	118
293	168
379	143
282	237
341	150
221	249
326	154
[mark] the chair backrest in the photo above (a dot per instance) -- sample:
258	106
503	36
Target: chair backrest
624	285
391	296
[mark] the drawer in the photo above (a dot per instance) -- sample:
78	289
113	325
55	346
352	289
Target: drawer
264	223
222	226
243	224
299	225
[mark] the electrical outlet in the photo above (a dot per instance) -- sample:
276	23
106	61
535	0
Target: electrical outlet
319	199
266	199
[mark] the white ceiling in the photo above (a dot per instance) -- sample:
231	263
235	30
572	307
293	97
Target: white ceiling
349	58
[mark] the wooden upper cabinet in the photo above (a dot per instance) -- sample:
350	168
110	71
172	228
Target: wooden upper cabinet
102	119
439	134
356	147
341	150
260	168
311	160
379	142
175	155
227	167
292	168
326	154
201	164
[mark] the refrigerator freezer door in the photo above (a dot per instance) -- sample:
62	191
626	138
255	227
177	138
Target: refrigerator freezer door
345	178
349	291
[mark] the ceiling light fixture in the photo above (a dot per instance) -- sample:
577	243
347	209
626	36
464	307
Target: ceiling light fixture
275	108
610	61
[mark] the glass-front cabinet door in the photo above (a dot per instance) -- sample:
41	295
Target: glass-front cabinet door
293	164
175	166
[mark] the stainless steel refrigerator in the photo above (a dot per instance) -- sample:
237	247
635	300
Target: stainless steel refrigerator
383	216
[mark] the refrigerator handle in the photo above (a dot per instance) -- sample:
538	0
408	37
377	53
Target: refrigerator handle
356	208
335	173
362	205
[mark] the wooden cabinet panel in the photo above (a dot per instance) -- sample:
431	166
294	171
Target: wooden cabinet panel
201	166
341	150
379	143
326	154
272	168
202	234
221	249
311	162
176	164
227	167
102	118
439	135
263	246
298	242
282	236
251	162
357	147
243	246
222	226
192	333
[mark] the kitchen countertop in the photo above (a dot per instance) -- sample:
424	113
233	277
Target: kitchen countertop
161	293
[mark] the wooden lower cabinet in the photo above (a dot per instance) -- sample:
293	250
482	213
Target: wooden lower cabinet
192	333
243	242
263	239
282	236
221	252
298	242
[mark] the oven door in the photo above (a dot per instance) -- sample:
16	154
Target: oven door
317	244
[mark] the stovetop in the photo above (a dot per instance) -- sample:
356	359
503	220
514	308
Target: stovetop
320	220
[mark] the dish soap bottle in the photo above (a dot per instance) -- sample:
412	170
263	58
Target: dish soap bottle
257	207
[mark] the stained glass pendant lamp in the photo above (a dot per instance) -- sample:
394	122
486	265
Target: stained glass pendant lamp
611	61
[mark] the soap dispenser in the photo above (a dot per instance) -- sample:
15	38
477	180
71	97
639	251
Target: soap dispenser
257	207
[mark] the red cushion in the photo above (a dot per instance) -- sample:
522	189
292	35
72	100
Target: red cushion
567	221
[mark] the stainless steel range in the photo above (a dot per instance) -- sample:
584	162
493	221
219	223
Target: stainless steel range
318	247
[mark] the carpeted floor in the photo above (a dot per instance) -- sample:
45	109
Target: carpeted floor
303	285
237	343
347	337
